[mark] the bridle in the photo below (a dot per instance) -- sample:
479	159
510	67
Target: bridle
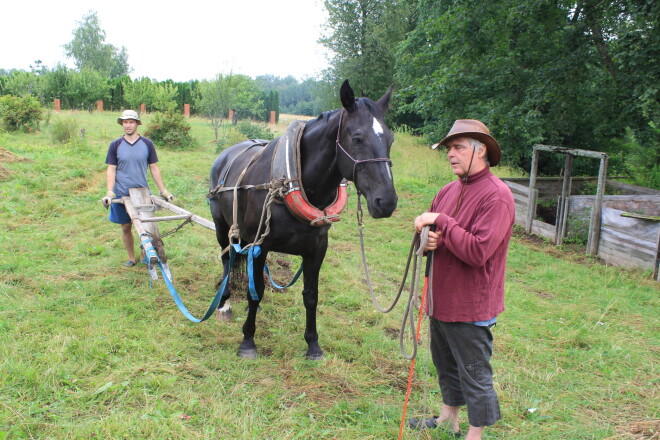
356	162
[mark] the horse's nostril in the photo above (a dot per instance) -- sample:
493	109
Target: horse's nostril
384	207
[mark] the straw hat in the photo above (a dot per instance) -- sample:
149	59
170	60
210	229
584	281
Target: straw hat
474	129
129	114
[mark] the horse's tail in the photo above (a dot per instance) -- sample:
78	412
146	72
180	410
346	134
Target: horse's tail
238	277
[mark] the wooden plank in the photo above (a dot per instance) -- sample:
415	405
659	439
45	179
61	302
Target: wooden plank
135	219
612	253
141	197
543	229
645	255
631	189
516	187
165	218
177	210
656	266
626	239
653	218
520	199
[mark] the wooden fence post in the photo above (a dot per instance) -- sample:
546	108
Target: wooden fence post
143	109
272	116
186	110
99	105
56	104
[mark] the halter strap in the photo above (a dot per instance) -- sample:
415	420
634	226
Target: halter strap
355	161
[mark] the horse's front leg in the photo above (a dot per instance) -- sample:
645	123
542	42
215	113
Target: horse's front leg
248	349
311	268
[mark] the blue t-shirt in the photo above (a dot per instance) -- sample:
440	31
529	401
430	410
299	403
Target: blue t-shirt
132	161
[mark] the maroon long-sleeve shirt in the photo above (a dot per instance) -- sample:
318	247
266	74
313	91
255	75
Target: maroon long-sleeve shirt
470	261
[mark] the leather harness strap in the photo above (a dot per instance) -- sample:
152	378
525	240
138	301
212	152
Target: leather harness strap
285	177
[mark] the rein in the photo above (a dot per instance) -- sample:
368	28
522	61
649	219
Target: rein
417	246
356	162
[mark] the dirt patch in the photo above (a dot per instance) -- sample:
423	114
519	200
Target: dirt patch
9	157
4	173
639	430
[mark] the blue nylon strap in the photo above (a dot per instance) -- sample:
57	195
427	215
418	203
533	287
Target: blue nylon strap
214	304
252	253
149	251
275	285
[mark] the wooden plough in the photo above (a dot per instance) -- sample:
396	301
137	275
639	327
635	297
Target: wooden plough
141	207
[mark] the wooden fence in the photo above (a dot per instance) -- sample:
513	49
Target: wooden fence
632	241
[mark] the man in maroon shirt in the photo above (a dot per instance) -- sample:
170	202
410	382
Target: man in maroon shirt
473	217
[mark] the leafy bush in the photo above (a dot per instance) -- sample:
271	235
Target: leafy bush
254	131
20	113
228	135
170	130
63	130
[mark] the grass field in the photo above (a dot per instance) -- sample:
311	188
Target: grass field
89	351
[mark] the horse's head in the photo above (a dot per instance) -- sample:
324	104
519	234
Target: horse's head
363	150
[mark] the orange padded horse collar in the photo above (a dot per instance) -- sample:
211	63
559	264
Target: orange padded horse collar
286	166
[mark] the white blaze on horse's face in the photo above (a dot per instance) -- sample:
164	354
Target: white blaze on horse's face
378	129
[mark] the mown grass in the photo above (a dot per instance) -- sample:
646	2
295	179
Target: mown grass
88	350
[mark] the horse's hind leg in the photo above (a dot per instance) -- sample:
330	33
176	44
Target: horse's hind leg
248	349
221	230
225	312
311	268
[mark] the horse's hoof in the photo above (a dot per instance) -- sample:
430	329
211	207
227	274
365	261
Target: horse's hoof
247	353
225	315
314	356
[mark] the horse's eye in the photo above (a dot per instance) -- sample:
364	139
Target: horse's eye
357	141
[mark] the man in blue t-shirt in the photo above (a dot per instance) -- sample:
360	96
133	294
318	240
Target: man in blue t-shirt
128	159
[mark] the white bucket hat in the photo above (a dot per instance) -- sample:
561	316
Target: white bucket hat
129	114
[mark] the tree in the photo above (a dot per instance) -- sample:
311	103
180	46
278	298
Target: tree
300	98
213	101
56	84
155	96
86	87
271	103
21	83
240	93
89	49
245	97
363	34
577	75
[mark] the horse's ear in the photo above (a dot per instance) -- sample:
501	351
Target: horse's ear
347	96
384	101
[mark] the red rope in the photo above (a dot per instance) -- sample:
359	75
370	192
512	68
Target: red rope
412	364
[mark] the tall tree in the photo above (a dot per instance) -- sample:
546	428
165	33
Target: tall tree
239	93
89	49
86	87
155	96
581	75
363	35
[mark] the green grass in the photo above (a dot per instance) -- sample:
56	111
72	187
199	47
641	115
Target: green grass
88	350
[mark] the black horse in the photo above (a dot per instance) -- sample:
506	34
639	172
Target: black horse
350	143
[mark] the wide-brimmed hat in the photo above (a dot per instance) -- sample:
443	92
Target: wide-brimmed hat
129	114
474	129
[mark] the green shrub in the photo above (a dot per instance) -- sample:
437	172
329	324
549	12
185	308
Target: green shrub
20	113
170	130
228	135
63	130
254	131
